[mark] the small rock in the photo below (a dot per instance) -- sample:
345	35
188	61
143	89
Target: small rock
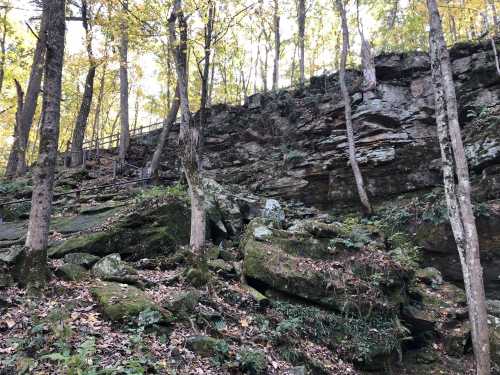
298	370
213	252
493	307
273	211
185	302
225	269
112	266
262	233
82	259
11	254
72	272
122	302
206	346
431	276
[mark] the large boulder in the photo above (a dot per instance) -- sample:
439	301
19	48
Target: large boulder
322	270
122	302
145	232
112	268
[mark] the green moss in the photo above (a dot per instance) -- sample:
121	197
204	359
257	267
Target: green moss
253	361
121	302
94	243
72	272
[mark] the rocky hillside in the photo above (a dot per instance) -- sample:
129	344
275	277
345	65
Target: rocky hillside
297	281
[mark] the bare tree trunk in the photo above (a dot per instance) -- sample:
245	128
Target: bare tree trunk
19	110
167	126
302	25
348	113
88	91
124	115
393	13
206	65
98	108
34	262
367	59
190	136
2	47
457	188
277	45
17	158
211	86
496	23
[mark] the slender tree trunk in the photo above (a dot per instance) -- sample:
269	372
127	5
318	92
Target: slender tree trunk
19	110
98	108
496	23
302	25
277	45
367	59
2	47
363	196
190	136
211	86
17	163
165	132
88	91
34	262
457	188
206	65
124	113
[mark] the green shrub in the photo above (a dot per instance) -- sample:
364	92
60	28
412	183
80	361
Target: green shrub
253	361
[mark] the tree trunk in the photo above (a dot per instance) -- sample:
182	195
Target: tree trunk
302	25
34	262
17	158
82	119
98	108
124	118
190	134
206	65
496	23
457	188
165	132
348	113
2	47
277	45
17	127
367	59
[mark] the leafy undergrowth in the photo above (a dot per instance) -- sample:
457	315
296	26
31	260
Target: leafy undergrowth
63	332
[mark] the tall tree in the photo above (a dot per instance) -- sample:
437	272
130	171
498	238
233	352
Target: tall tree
367	59
124	110
34	260
165	132
457	188
301	18
205	74
3	52
17	158
88	91
277	44
190	137
360	186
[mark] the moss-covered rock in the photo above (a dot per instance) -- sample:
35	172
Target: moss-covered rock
82	259
154	231
122	302
305	267
207	346
184	303
72	272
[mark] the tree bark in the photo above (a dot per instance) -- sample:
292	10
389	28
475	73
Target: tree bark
360	186
34	262
2	47
367	59
496	23
124	113
206	64
277	45
165	132
302	25
19	110
190	136
17	159
457	188
88	91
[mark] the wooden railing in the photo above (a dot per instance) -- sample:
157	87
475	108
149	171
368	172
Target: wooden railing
113	140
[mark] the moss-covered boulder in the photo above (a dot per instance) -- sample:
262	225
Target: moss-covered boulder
81	259
122	302
146	232
184	303
112	268
207	346
72	272
315	269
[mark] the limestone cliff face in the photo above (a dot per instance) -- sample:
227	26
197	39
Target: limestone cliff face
292	144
